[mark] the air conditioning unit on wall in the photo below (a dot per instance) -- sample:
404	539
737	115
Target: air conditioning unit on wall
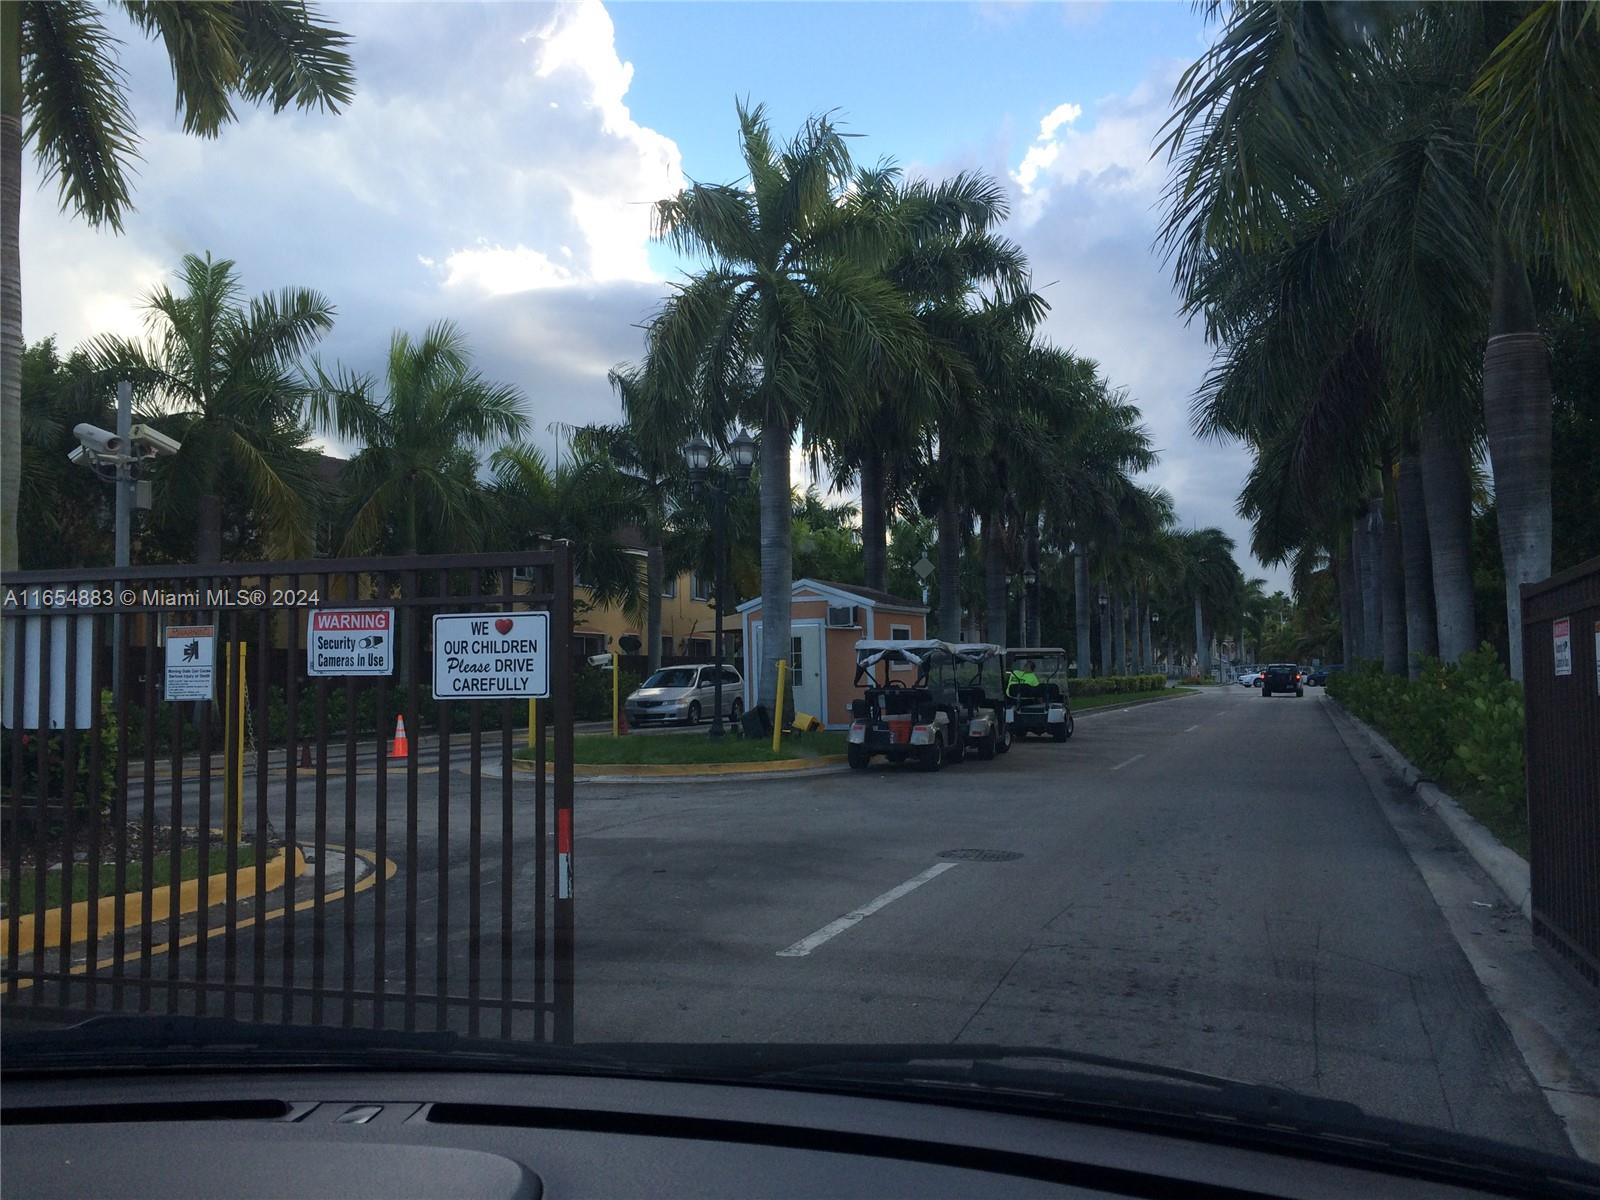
841	616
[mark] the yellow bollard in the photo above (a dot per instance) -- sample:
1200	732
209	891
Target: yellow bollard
777	705
533	718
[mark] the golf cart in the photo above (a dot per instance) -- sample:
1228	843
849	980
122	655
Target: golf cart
909	707
1036	682
980	686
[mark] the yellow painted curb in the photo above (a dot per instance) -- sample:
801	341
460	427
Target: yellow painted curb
189	900
667	770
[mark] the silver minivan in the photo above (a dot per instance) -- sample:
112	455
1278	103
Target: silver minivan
685	694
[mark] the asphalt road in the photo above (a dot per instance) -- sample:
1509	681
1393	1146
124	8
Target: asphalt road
1206	883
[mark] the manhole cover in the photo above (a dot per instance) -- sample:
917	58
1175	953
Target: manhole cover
980	855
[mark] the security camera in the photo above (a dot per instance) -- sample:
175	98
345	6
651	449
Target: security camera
96	440
152	442
599	660
79	457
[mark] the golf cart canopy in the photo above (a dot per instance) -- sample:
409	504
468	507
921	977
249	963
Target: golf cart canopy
871	651
1034	651
977	651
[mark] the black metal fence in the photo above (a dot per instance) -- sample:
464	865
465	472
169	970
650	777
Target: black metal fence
207	857
1561	683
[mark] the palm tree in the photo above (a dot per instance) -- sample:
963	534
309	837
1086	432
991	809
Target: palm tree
223	378
413	486
776	329
1212	580
58	71
1467	133
65	517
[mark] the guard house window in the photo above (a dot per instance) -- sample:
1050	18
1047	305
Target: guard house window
669	589
796	658
699	587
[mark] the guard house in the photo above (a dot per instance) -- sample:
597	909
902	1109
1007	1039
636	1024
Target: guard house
826	621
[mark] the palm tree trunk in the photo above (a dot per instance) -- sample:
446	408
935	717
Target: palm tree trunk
777	560
1202	645
994	581
654	580
1517	415
1082	609
1422	632
10	280
1447	500
874	523
1368	570
1349	611
1149	641
208	548
949	570
1393	584
1105	631
1135	655
1030	552
1119	636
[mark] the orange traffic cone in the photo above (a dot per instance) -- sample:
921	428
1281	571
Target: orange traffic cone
400	747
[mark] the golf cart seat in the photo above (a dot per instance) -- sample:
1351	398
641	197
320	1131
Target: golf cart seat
972	697
1047	692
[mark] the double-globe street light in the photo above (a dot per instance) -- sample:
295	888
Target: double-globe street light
700	457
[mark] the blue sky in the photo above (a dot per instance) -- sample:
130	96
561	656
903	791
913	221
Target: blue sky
498	163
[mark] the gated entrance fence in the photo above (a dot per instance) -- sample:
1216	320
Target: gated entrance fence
1561	685
261	855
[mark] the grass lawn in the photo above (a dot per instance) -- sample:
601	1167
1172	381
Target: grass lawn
603	749
1113	699
189	864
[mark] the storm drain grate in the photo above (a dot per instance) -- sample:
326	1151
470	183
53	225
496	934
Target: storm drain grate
980	855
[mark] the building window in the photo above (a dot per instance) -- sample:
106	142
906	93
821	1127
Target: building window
666	647
589	643
669	588
899	633
699	587
697	647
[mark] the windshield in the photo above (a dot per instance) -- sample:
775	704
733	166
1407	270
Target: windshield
672	677
445	515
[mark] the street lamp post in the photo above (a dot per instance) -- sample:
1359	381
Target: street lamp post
1030	603
1105	635
1155	619
741	457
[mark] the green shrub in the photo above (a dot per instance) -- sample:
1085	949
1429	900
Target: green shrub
1107	684
1462	724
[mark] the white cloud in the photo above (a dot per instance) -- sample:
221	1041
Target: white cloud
504	185
1086	212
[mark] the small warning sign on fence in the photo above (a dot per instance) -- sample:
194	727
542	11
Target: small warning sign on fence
1562	633
350	641
191	662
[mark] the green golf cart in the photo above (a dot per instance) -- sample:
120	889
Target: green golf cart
1036	683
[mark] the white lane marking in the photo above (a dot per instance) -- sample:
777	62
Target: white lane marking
834	928
1134	759
1191	729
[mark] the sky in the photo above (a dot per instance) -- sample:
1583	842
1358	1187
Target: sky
497	166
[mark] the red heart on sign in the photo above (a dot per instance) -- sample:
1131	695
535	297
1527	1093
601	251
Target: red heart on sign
503	624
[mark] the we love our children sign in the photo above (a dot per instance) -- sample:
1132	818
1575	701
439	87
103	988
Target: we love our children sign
491	656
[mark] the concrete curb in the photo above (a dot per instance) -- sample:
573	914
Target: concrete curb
774	767
190	899
1505	866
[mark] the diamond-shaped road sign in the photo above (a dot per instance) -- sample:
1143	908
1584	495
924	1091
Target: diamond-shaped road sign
923	568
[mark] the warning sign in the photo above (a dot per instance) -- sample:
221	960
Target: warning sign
350	641
191	662
1562	630
491	656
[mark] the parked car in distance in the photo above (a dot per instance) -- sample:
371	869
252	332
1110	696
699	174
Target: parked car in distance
1249	678
1280	678
1319	677
685	694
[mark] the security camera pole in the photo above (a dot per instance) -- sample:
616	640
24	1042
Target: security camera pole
122	492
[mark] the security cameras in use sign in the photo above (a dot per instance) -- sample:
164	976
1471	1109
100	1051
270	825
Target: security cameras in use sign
491	656
350	641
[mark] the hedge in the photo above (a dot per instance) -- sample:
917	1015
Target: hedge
1106	684
1460	723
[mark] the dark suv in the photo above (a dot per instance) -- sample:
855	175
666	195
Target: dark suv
1282	677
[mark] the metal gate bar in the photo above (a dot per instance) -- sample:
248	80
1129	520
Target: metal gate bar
102	958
